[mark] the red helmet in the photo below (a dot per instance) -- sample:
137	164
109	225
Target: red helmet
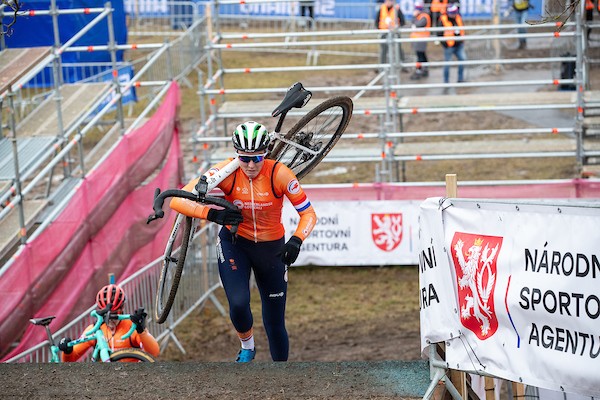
110	294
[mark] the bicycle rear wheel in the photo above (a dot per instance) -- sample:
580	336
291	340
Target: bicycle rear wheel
319	131
174	258
131	355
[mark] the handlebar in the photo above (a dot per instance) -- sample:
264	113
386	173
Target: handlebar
159	199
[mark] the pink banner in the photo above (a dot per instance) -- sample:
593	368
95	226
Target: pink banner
115	249
78	238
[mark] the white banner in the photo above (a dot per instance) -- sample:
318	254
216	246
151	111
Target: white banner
359	233
526	278
436	289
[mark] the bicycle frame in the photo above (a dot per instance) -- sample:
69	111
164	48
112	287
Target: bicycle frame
278	136
214	178
102	350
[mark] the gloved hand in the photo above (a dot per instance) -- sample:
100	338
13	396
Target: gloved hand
225	216
139	319
291	249
63	345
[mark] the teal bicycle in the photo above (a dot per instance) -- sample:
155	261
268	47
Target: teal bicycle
102	351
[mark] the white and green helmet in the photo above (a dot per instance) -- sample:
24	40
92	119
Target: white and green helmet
250	137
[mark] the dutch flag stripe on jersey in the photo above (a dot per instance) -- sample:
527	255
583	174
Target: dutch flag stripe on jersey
302	204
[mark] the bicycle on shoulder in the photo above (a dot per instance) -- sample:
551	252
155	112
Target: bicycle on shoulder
301	149
101	350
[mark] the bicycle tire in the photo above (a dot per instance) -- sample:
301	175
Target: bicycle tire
131	353
172	267
331	117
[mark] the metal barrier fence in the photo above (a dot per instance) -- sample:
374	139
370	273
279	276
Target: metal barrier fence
146	79
392	97
199	280
161	19
183	54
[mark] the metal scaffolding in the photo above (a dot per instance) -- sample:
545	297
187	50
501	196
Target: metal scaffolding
391	97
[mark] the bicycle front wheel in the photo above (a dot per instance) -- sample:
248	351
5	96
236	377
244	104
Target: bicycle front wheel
318	131
175	254
130	355
172	266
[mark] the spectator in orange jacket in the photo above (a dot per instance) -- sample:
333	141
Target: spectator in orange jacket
453	45
436	10
114	329
390	17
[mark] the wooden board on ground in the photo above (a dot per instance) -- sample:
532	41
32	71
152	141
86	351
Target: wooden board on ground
10	225
484	148
377	105
266	107
77	100
489	99
15	63
4	185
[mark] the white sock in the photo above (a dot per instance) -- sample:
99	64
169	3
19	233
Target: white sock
248	344
247	340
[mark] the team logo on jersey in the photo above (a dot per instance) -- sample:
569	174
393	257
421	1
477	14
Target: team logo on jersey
293	187
238	203
474	258
386	230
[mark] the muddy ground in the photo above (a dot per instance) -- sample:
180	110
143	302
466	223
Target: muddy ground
333	314
354	334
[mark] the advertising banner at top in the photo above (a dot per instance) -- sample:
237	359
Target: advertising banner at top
520	281
326	9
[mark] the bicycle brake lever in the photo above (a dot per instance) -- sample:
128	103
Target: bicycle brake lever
158	212
105	310
151	218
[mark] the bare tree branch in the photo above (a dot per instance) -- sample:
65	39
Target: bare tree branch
14	6
559	19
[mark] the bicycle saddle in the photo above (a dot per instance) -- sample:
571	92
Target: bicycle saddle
296	96
42	321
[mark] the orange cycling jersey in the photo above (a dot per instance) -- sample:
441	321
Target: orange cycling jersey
260	201
144	341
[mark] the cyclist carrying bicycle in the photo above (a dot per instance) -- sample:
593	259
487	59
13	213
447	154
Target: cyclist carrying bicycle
258	188
114	329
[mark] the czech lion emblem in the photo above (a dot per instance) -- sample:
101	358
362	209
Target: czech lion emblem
386	230
474	258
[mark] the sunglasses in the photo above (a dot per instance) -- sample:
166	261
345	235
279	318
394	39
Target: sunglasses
254	159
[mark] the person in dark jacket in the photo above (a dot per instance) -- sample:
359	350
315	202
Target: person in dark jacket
421	24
